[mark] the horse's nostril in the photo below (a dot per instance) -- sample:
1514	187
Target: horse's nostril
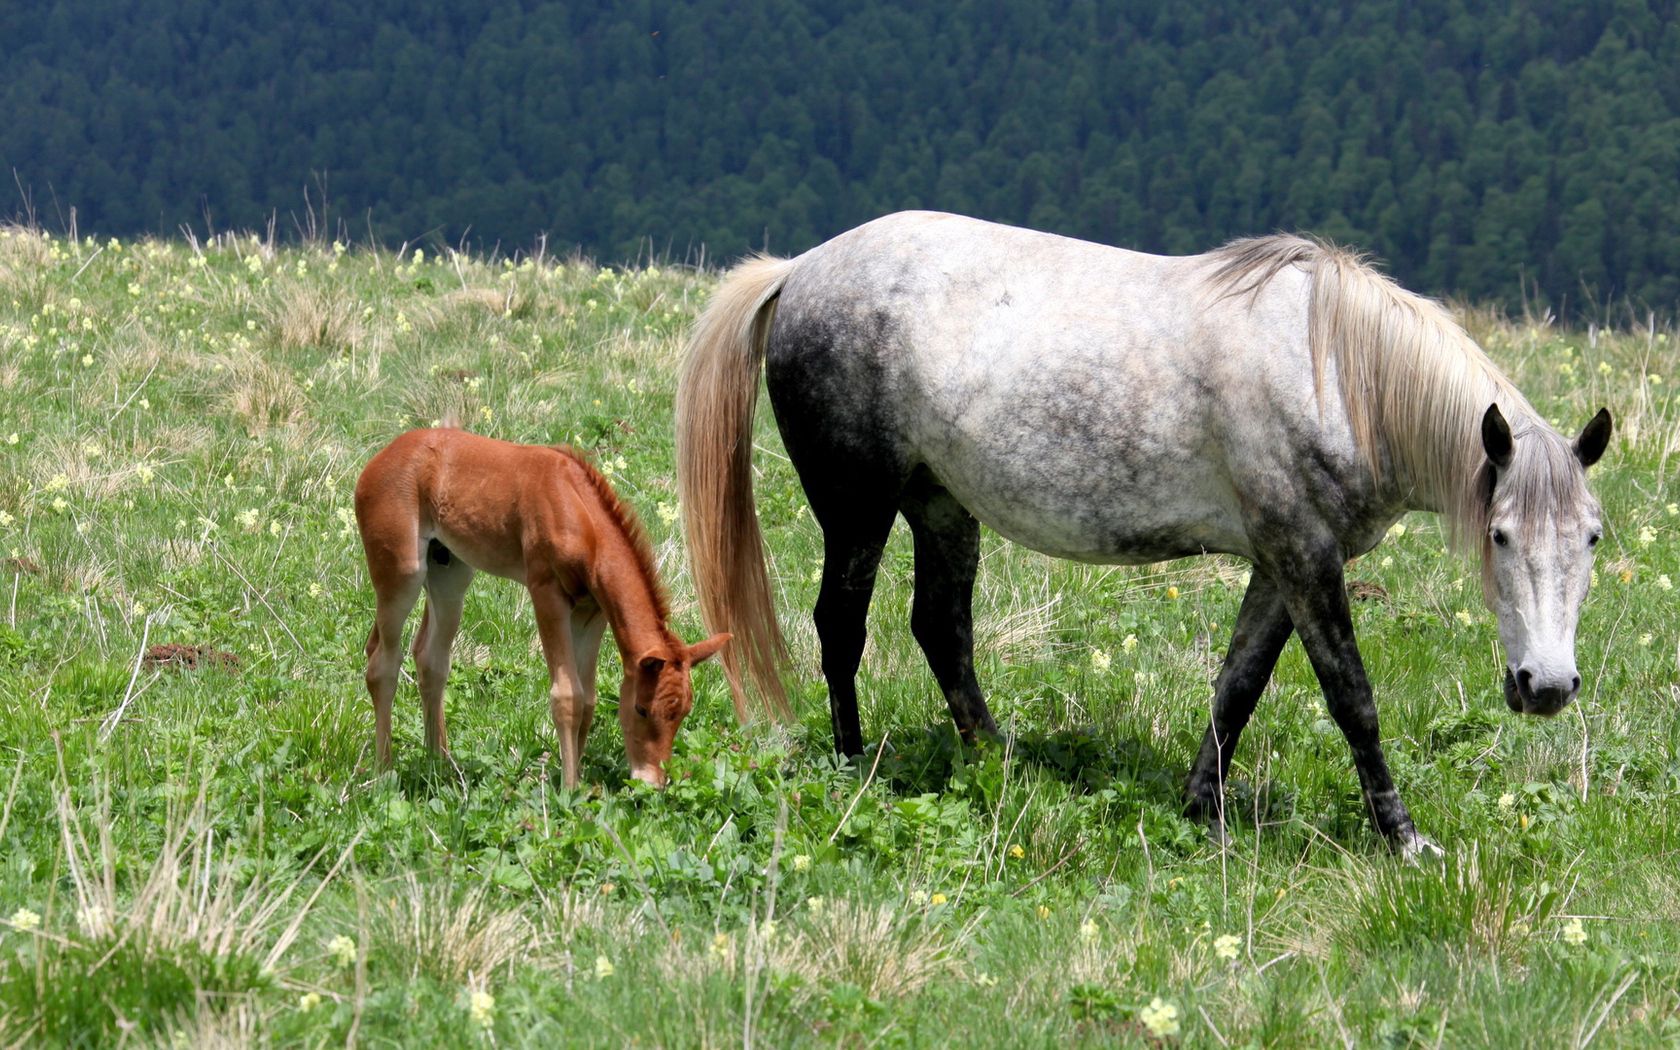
1525	682
1575	684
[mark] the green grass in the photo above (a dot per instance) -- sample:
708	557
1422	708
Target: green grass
212	858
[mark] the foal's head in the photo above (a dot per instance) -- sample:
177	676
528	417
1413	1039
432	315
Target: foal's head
1537	554
656	697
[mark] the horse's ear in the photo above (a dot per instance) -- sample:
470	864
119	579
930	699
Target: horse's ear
1496	438
700	652
1595	437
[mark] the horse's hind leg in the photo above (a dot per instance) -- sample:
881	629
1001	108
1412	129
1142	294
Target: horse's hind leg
853	538
1263	626
447	578
942	618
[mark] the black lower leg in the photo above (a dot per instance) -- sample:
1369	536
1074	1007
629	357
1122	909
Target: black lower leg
1263	627
851	555
1317	599
947	555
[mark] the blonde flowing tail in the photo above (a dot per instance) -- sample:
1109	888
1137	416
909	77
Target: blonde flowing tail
716	399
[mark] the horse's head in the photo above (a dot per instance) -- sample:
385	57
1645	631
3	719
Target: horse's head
1537	555
656	697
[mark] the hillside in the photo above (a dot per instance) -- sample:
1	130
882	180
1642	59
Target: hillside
1490	151
198	850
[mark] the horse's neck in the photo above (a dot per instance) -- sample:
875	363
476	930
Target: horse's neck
618	582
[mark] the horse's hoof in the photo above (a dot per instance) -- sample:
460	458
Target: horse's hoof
1415	849
1217	834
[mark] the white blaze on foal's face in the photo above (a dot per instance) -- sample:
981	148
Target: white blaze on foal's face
1543	526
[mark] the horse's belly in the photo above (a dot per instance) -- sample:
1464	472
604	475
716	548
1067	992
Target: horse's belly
1143	512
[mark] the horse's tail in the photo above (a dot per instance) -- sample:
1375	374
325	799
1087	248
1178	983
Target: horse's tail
716	398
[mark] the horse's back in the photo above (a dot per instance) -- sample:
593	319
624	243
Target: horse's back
1075	397
486	500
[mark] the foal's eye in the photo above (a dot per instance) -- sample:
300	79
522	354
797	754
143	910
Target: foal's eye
1499	539
1592	541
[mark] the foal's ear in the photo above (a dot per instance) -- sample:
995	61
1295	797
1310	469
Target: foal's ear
1496	438
1595	437
700	652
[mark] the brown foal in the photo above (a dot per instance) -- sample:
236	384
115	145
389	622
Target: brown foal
435	505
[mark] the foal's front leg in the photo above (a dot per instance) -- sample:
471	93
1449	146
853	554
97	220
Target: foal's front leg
1315	592
588	625
566	693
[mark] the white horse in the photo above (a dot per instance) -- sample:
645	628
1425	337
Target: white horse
1275	399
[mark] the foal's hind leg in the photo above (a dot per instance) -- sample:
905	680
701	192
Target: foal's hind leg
1263	626
942	618
397	578
447	578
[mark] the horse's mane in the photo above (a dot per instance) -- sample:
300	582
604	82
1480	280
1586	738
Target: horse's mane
1413	384
628	524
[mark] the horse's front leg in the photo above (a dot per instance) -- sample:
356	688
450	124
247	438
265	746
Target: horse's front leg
565	693
1315	594
1263	627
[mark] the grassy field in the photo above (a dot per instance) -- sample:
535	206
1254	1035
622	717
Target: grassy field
198	851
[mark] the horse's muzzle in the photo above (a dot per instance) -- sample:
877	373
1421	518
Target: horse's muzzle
1524	697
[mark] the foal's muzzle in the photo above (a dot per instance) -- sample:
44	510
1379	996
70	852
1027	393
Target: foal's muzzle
1527	695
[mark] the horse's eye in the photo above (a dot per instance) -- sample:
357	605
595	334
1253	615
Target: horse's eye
1592	541
1499	537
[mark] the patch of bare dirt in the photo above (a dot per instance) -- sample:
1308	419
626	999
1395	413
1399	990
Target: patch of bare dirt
189	657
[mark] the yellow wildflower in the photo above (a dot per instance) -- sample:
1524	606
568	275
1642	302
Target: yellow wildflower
308	1001
1574	932
604	967
1017	852
342	950
1226	946
1160	1017
24	919
482	1009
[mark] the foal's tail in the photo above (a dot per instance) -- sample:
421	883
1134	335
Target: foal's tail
716	399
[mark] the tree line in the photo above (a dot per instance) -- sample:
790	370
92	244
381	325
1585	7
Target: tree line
1513	152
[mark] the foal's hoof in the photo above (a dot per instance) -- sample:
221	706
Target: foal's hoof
1414	849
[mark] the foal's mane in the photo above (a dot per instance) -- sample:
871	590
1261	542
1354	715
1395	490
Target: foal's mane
628	524
1413	384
